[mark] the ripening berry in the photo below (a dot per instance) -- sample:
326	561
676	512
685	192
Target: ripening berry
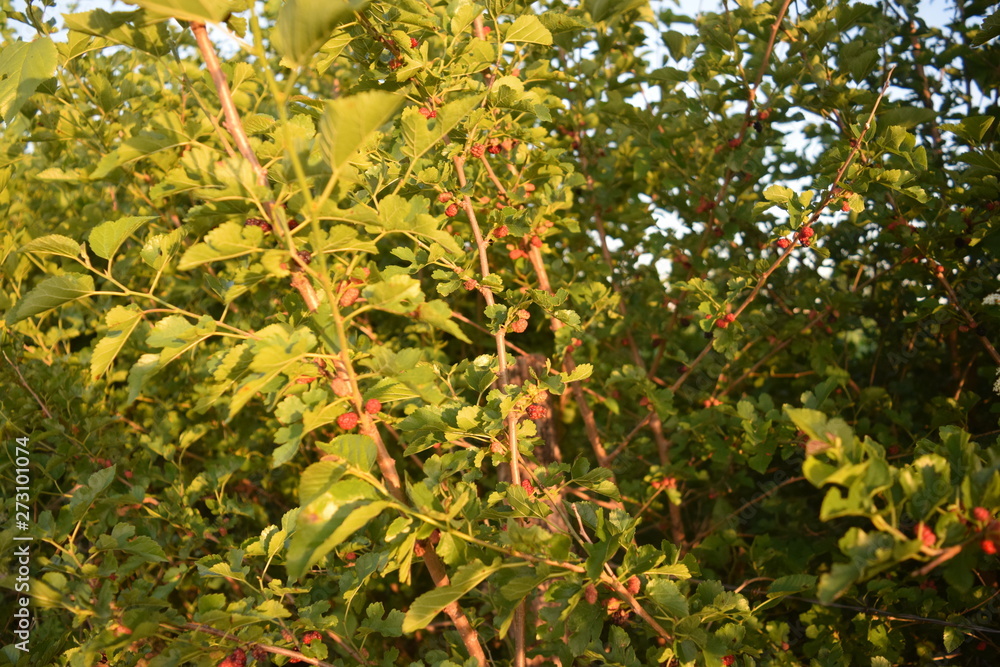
348	420
494	149
426	113
535	411
477	150
470	284
806	233
237	658
846	207
519	326
730	317
349	296
728	660
257	222
500	232
451	211
305	256
395	64
927	535
414	43
373	406
764	115
784	243
590	594
517	253
445	197
536	242
722	323
633	585
981	514
988	547
735	143
259	654
527	486
310	637
523	314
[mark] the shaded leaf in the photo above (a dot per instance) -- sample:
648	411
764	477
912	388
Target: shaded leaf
51	293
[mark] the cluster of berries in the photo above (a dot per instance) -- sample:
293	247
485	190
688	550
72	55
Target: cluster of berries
521	323
349	420
725	320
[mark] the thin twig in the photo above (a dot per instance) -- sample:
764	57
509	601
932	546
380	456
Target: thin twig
233	122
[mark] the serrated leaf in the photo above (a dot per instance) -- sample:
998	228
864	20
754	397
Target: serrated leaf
24	66
202	11
121	321
51	293
107	237
323	525
303	26
427	606
668	596
227	241
53	244
348	123
528	29
420	134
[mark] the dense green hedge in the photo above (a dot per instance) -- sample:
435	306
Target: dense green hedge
502	333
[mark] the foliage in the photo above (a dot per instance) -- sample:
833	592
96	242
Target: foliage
455	333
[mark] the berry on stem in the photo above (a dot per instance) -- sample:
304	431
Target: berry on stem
451	211
477	150
373	406
349	296
981	514
784	243
348	420
535	411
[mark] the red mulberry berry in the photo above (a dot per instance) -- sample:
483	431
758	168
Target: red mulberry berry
926	535
445	197
784	243
806	233
633	585
373	406
305	256
988	547
414	43
494	149
590	594
310	637
728	660
722	323
981	514
451	211
477	150
527	486
535	241
349	296
735	143
519	326
425	112
395	64
500	232
470	284
535	411
348	420
257	222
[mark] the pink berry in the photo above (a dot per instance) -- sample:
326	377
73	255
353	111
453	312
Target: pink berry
348	420
445	197
414	43
988	547
451	211
981	514
535	411
633	585
349	296
590	594
477	150
527	486
373	406
784	243
519	326
501	232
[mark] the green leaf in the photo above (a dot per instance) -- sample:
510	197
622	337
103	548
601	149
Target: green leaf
121	321
53	244
427	606
52	292
303	26
135	29
349	122
989	29
668	596
227	241
202	11
24	66
323	524
793	583
107	237
399	294
420	134
528	29
778	194
358	450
